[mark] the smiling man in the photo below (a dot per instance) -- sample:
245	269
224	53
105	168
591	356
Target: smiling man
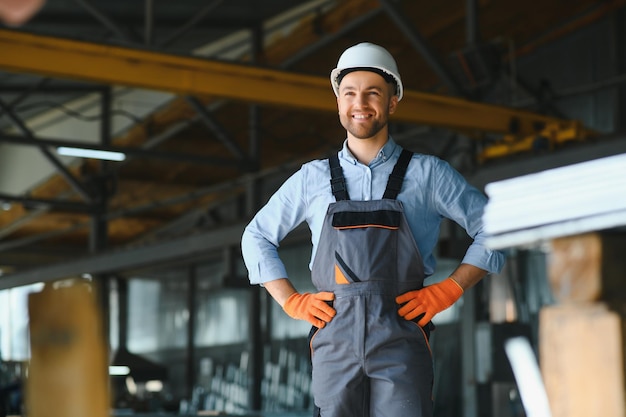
365	102
374	211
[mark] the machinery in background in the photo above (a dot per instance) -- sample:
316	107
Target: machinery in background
12	375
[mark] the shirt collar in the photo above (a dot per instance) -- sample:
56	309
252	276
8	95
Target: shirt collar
383	155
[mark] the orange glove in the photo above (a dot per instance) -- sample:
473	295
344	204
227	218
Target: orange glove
429	301
311	307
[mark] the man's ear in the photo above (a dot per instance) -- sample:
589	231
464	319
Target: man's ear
393	104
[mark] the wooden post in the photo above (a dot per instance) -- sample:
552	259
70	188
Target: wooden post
581	345
68	374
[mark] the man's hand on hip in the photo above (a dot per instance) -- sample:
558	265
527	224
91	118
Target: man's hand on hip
313	308
429	300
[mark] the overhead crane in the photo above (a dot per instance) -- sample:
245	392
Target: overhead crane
78	60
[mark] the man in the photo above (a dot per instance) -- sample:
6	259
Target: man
374	212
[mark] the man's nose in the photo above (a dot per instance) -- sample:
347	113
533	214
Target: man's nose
361	99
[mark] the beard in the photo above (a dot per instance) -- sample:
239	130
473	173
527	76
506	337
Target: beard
363	130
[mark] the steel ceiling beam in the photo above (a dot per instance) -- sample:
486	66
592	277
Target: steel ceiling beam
44	89
214	126
194	21
103	19
61	169
327	38
49	203
123	260
116	65
419	43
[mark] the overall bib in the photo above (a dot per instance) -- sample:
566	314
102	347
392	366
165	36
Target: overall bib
369	361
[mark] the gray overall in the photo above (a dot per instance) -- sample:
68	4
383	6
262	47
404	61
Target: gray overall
369	361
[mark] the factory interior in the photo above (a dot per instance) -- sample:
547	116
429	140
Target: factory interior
134	265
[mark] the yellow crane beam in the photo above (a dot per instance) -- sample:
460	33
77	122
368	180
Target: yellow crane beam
553	135
115	65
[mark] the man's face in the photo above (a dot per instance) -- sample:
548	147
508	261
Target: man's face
365	102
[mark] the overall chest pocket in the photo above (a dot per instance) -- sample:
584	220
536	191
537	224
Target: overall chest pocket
366	245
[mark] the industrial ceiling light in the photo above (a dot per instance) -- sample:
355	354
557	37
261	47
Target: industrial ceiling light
119	370
91	153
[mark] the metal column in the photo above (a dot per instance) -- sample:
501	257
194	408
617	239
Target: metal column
471	22
98	238
469	389
256	336
191	367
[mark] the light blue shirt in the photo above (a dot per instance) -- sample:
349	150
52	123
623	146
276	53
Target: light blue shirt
432	190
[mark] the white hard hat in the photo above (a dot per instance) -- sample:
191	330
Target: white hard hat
368	57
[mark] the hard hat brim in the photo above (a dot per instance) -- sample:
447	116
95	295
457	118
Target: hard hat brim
336	73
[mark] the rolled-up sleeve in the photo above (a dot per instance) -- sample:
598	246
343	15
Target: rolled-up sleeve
284	211
463	203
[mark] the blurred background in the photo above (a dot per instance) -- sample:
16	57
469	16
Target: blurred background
203	108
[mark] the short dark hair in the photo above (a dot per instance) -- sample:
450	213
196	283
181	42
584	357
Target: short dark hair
388	77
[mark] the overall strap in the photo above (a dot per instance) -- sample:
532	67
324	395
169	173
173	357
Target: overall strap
394	183
337	180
